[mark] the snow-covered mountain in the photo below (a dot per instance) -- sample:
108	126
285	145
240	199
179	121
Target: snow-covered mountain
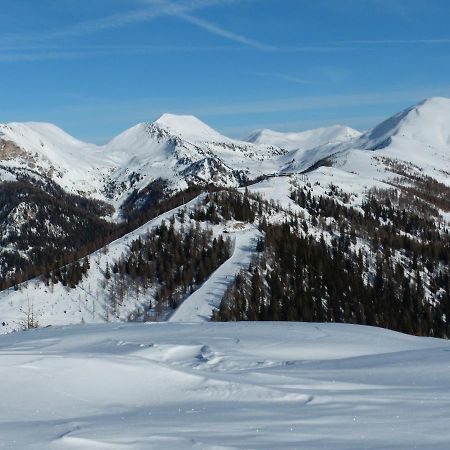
48	152
304	140
418	138
304	148
180	149
310	241
427	123
183	150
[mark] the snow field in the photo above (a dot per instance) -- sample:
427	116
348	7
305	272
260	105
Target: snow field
223	386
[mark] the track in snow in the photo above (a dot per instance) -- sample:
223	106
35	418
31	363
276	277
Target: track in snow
199	306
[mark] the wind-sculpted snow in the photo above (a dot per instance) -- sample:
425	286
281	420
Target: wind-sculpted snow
223	386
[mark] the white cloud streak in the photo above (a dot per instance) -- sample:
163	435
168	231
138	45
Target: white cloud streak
121	113
222	32
25	54
322	102
154	10
140	109
12	48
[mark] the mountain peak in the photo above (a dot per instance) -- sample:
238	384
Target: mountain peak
427	122
189	127
442	101
39	132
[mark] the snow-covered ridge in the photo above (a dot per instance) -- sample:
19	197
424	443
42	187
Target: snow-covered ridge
183	150
172	147
188	127
304	140
75	165
428	123
418	137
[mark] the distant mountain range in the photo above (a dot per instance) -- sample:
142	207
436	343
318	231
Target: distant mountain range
184	150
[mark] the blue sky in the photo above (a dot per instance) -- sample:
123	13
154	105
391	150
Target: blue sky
97	67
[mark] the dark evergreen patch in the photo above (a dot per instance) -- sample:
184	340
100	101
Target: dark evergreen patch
300	279
230	204
396	277
43	228
174	261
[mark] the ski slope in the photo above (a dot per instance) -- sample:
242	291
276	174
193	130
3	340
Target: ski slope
215	386
199	306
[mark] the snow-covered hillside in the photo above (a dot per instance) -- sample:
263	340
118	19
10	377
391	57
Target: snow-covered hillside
223	386
47	303
305	148
418	139
182	149
200	305
312	241
45	149
88	303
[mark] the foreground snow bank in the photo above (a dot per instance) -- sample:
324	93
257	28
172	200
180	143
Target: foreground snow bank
223	386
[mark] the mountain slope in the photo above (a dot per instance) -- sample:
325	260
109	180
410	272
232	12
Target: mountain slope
184	150
55	303
427	123
417	138
200	306
49	152
190	128
305	148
